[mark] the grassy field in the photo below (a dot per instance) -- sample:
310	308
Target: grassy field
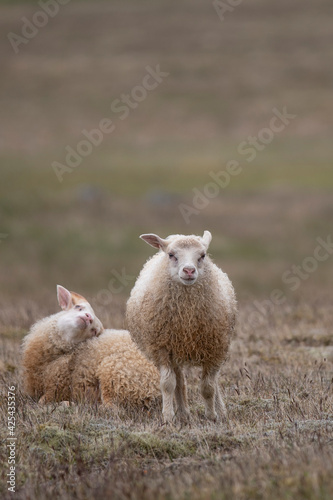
276	443
224	81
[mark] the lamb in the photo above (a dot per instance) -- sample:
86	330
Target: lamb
182	311
112	370
47	349
103	366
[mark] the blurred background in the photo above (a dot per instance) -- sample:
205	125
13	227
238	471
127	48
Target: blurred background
223	75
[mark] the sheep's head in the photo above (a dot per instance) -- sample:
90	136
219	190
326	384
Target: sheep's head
78	321
185	254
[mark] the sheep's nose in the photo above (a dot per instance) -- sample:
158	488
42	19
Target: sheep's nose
189	270
89	317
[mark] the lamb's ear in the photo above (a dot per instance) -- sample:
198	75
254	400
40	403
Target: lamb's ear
64	298
154	241
206	239
77	298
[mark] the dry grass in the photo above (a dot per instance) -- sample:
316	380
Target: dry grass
277	442
225	78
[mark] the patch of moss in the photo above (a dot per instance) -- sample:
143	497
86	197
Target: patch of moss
145	444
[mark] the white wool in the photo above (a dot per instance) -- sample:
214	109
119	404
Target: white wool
150	269
182	310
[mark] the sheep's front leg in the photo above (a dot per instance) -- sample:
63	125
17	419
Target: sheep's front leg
219	403
211	393
181	395
168	386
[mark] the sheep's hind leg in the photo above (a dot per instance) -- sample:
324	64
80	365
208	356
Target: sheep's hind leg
168	387
210	393
181	395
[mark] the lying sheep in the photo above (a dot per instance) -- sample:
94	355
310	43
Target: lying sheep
182	311
54	338
111	368
107	368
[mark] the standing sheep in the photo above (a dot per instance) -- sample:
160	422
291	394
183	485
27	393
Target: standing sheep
182	311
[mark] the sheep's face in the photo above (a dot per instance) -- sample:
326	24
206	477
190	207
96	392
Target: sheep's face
185	263
185	254
77	321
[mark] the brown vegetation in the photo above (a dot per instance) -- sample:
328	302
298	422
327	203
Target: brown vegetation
225	78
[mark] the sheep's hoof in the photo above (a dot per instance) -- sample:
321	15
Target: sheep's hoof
168	418
213	417
183	417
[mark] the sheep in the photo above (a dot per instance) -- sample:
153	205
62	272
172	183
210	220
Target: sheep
182	311
55	337
105	367
112	370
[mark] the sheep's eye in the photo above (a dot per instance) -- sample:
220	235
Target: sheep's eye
172	256
202	257
78	307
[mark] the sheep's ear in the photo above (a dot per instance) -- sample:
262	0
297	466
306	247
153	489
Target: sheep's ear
154	241
206	239
64	298
77	298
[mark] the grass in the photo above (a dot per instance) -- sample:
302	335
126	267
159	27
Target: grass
225	79
276	442
81	235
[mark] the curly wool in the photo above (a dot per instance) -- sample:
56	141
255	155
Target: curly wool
41	348
124	375
181	324
108	368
